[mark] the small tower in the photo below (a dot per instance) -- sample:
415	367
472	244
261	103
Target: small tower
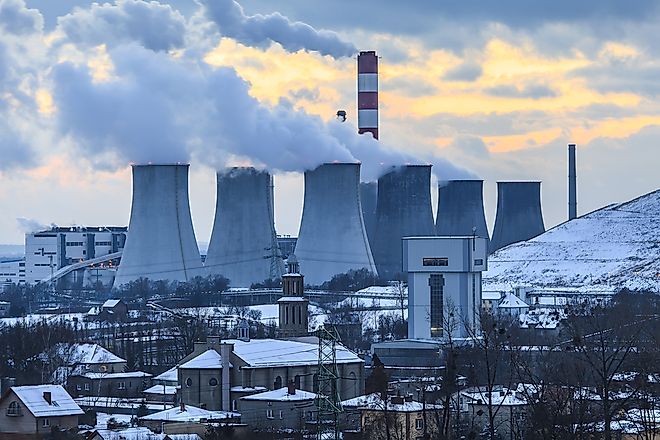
294	316
243	330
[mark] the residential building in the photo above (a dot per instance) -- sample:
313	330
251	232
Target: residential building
111	310
77	359
32	411
185	414
121	384
283	409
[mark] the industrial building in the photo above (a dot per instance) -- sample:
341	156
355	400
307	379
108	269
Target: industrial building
161	244
444	285
332	238
403	209
519	216
243	246
53	249
461	208
12	271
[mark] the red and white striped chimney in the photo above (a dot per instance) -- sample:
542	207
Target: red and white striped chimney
367	87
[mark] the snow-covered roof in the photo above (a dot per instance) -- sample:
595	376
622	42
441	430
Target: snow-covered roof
511	301
111	303
292	299
238	389
542	318
274	352
282	395
168	376
168	390
188	414
209	360
491	296
122	375
87	354
375	403
32	396
505	397
613	247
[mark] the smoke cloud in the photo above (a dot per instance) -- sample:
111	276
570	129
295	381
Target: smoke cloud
262	30
28	225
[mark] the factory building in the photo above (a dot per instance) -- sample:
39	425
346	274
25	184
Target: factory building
12	271
243	246
444	285
332	238
161	244
52	249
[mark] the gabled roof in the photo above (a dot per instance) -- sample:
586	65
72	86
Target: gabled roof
167	390
168	376
32	397
74	354
511	301
281	395
111	303
188	414
209	360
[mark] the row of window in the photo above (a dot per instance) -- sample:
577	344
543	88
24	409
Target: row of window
75	243
213	382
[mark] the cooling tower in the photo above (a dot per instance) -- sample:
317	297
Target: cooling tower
161	241
519	215
403	209
332	237
243	244
461	208
368	199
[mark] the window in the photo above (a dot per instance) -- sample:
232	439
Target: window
281	414
296	381
14	409
435	262
189	382
86	387
121	385
234	405
437	283
278	383
269	414
419	424
213	382
78	387
478	262
45	422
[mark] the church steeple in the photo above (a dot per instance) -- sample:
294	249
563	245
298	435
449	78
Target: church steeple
293	306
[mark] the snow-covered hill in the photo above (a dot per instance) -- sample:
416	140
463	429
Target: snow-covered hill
611	248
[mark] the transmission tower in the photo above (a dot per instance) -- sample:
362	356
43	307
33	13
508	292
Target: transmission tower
328	404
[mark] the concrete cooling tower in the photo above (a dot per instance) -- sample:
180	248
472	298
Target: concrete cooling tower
519	215
403	209
368	200
161	241
332	237
461	208
243	246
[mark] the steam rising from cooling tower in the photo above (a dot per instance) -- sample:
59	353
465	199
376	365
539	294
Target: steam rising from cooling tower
403	209
243	244
332	236
461	208
161	242
519	215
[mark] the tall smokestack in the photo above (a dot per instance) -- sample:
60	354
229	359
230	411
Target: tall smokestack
519	216
367	87
403	209
243	246
572	183
332	236
161	242
461	208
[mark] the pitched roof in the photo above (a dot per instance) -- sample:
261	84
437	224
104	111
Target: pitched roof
209	360
87	354
188	414
123	375
167	390
511	301
111	303
168	376
281	395
32	396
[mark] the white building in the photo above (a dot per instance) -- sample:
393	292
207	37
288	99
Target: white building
444	284
52	249
12	271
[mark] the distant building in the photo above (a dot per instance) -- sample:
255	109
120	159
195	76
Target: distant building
33	411
52	249
76	359
4	308
12	271
121	384
111	310
283	409
287	245
185	414
293	306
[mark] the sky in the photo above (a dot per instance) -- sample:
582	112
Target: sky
482	89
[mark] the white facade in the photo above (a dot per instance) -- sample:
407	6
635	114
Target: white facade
50	250
444	284
12	271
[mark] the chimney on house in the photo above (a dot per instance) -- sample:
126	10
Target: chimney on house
292	388
182	407
48	397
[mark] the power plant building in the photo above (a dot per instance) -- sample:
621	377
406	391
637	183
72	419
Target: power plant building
161	242
519	216
403	209
444	285
243	246
461	209
332	238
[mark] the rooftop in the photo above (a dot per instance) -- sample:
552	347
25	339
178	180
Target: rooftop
282	395
168	376
122	375
209	360
61	403
188	413
74	354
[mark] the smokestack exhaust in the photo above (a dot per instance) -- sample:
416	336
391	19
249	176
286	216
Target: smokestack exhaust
572	183
367	87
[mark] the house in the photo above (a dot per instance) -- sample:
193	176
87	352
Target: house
121	384
510	406
111	310
4	308
284	409
160	394
512	305
79	358
32	411
186	414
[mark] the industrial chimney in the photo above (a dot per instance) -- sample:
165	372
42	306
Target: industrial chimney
403	209
519	215
161	242
368	200
243	246
461	209
572	183
367	87
332	237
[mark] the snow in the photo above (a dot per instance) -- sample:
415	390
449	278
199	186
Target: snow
87	354
108	403
511	301
282	395
273	352
208	360
505	397
238	389
383	290
169	390
61	404
168	376
110	303
375	403
614	247
292	299
124	375
188	413
542	318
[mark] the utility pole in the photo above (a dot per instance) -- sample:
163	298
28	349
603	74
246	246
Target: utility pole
328	403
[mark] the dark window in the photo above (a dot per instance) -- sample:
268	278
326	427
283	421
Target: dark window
213	382
437	283
278	383
479	262
189	382
435	262
296	381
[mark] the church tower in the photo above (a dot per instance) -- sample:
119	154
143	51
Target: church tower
293	306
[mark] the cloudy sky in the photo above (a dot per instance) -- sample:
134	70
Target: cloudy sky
482	88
